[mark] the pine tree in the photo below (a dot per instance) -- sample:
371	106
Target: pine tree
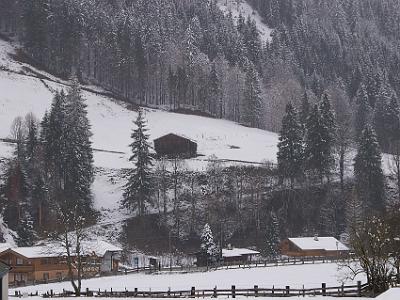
208	246
370	181
253	100
290	146
25	231
363	110
305	109
318	151
272	237
138	190
392	120
329	122
78	155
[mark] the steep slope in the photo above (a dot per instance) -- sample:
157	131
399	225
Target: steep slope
241	7
22	92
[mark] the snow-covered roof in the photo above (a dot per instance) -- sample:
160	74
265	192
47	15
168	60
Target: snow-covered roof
4	247
318	243
97	247
236	252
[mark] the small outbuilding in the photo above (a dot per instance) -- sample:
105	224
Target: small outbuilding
238	255
316	246
4	269
175	146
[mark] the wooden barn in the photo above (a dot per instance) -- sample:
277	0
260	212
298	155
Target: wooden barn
175	146
313	247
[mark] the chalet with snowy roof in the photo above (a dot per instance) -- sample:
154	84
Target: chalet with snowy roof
175	146
315	246
44	263
4	269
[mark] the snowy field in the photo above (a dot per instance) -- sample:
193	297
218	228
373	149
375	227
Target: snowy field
294	276
237	7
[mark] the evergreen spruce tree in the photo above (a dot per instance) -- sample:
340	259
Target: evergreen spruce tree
318	152
78	155
363	110
380	125
138	190
253	100
305	109
208	246
392	120
272	237
25	231
290	146
370	181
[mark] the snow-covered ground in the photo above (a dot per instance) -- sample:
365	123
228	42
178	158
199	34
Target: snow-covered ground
237	7
293	276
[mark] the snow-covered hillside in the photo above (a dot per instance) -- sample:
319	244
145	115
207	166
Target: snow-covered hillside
237	7
112	123
21	92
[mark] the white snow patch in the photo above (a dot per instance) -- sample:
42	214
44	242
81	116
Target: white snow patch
237	7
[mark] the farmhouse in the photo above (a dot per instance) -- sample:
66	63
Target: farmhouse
313	246
46	263
4	269
175	146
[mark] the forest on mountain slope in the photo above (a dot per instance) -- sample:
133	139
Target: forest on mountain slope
188	55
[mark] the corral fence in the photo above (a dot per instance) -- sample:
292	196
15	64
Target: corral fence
338	291
244	265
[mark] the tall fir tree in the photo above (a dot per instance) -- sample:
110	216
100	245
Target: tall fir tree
318	151
208	246
138	190
368	173
253	101
363	110
290	146
305	109
272	237
78	155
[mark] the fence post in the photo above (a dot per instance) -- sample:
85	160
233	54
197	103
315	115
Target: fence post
273	290
193	291
359	288
215	295
87	292
51	293
136	292
256	291
304	291
233	291
342	289
287	290
324	289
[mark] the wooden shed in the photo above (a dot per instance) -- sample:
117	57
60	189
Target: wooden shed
313	247
175	146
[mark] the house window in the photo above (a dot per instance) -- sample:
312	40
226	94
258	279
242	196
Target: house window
59	275
20	261
46	276
44	261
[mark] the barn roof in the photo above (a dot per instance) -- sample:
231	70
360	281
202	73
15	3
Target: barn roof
318	243
176	134
237	252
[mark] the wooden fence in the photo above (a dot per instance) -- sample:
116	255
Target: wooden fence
228	266
338	291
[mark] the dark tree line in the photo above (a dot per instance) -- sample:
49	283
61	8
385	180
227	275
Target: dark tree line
51	169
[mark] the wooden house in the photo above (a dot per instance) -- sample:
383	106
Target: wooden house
175	146
4	269
316	246
232	255
48	262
